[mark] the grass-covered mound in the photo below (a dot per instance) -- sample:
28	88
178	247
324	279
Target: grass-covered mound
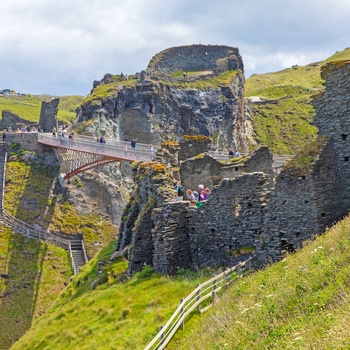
283	122
102	309
301	302
32	274
28	106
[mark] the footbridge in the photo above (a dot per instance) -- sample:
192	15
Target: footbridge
83	152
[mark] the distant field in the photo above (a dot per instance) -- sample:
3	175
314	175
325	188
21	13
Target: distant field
28	106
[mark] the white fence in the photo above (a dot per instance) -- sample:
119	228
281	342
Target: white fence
203	292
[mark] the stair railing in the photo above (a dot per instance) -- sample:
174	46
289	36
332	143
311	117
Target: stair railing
30	231
203	292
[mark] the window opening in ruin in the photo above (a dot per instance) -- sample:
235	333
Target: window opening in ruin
344	136
306	201
236	168
250	204
286	245
212	230
236	207
297	234
346	159
323	215
303	177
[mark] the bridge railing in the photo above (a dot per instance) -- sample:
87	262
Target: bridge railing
115	149
193	301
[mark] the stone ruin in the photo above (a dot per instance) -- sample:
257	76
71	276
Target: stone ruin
12	121
252	211
48	115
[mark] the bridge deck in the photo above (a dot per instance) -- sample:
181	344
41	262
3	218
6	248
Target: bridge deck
118	150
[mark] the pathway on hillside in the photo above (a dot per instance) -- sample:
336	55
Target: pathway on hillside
75	246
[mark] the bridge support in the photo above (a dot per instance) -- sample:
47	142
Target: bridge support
73	162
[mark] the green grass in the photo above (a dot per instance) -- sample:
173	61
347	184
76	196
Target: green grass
28	106
224	79
32	276
118	314
285	123
301	302
104	91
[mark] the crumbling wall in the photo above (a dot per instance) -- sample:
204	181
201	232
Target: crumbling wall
196	58
171	238
226	228
48	115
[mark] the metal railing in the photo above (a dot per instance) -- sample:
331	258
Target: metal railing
116	149
204	291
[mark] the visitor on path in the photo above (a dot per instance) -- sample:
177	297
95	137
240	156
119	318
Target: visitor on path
102	140
133	144
201	193
179	191
4	136
230	152
191	197
208	192
236	154
151	151
54	132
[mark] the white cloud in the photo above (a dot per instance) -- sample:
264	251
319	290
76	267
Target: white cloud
57	47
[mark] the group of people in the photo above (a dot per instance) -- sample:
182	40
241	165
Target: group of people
63	134
195	197
234	154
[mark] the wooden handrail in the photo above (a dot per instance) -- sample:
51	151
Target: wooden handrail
192	302
33	232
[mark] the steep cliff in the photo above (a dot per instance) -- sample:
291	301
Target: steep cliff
193	90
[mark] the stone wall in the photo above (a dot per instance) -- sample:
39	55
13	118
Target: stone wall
226	228
28	141
48	115
12	121
333	119
196	58
171	238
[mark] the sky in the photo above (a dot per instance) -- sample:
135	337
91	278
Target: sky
60	47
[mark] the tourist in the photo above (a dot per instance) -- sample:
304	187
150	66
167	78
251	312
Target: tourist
208	192
179	191
236	154
230	152
54	132
102	140
133	144
151	151
201	193
191	197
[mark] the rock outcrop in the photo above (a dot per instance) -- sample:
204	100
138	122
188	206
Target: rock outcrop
162	105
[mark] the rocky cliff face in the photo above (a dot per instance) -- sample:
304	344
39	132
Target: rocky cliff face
161	105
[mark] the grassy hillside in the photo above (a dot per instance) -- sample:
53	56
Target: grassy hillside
283	121
117	313
33	195
28	106
301	302
32	274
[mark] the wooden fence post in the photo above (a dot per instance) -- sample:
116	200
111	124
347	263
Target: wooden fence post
198	297
181	314
213	294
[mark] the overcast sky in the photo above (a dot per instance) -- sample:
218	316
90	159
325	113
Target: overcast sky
60	47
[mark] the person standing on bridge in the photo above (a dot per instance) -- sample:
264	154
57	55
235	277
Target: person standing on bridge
151	151
102	140
133	144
